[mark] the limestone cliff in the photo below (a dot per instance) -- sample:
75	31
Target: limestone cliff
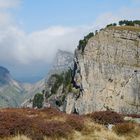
107	73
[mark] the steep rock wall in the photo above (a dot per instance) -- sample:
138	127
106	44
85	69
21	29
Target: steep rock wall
107	73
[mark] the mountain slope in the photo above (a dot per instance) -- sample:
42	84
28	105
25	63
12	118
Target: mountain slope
62	62
10	90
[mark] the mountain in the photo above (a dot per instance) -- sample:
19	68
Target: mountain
103	74
16	94
4	76
11	91
107	72
62	62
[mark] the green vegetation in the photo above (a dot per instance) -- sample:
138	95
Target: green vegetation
83	43
112	24
62	79
123	23
38	100
67	81
58	82
129	22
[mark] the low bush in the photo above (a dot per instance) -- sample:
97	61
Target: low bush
55	129
13	123
34	124
76	122
106	117
82	43
38	100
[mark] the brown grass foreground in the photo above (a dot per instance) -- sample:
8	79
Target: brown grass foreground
50	124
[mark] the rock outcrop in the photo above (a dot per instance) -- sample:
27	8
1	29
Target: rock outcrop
53	87
107	73
58	81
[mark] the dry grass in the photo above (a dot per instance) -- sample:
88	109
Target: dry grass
50	124
130	28
127	129
18	137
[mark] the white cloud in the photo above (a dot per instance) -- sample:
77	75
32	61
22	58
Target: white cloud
6	19
40	45
23	48
20	48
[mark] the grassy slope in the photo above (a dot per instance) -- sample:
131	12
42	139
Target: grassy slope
130	28
50	124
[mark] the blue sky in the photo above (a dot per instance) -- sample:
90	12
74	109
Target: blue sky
31	31
39	14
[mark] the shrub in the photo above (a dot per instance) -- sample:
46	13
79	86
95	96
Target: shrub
83	43
38	100
51	112
112	24
76	122
55	129
34	124
67	81
12	123
58	102
58	82
129	22
106	117
123	128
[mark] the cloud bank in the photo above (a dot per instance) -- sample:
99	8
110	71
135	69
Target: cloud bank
20	47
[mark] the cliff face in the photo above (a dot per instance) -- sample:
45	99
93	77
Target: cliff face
58	82
63	60
107	73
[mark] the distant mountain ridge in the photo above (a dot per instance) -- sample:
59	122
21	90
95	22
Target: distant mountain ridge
4	76
14	93
10	90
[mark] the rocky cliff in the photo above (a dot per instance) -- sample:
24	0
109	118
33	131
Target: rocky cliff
62	61
107	73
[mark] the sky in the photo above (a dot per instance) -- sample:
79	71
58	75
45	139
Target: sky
31	31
